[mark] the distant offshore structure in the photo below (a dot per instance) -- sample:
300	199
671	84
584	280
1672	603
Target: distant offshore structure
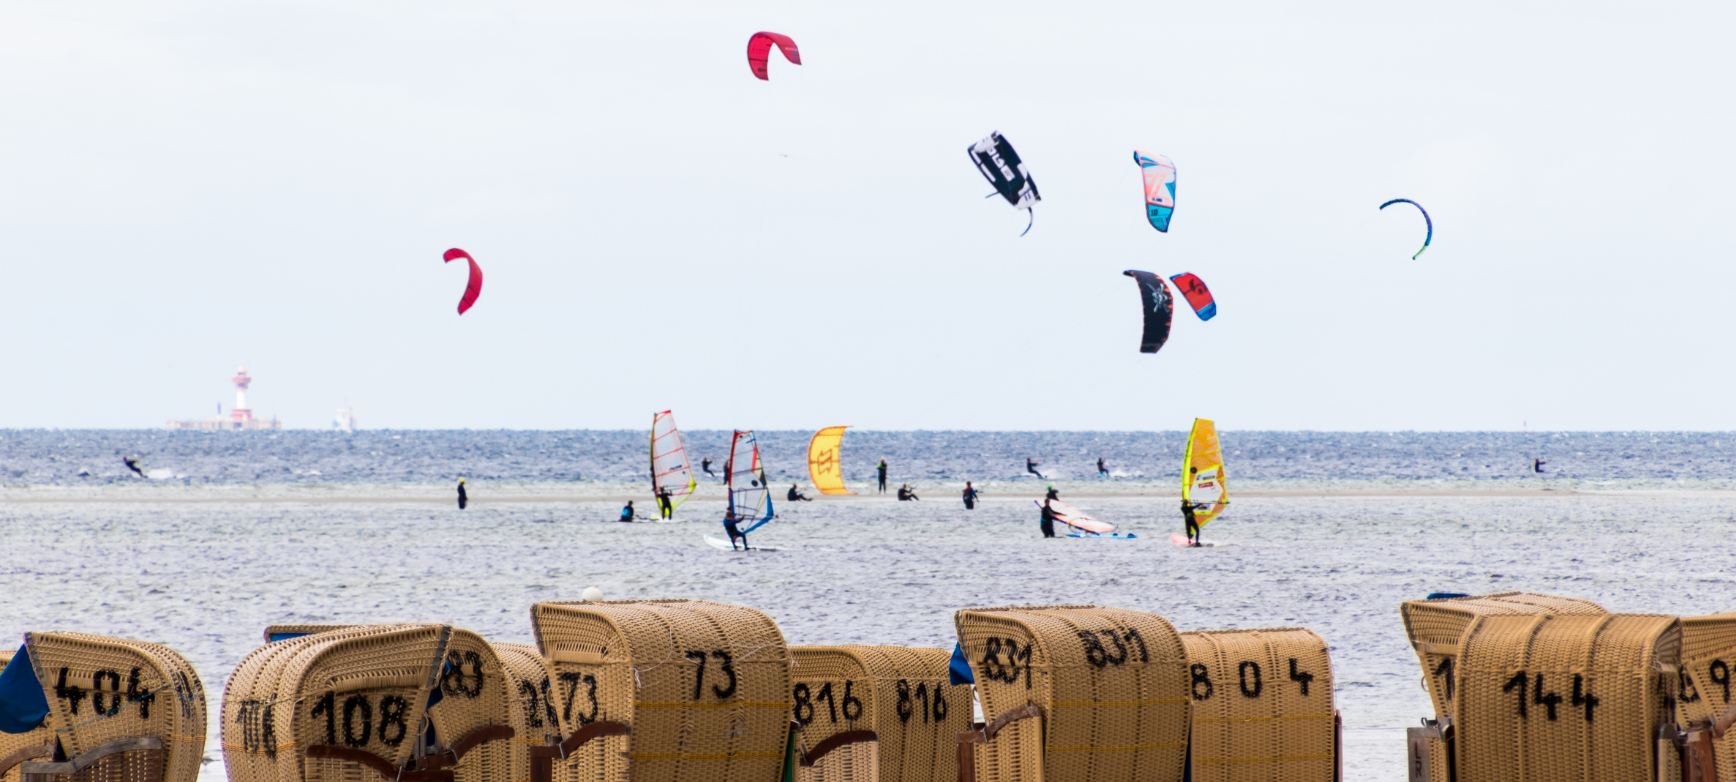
346	420
239	418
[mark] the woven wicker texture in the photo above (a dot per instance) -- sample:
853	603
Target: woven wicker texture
258	705
1552	697
1262	706
858	762
900	693
474	696
704	687
530	703
1435	627
105	689
1703	685
13	743
1112	685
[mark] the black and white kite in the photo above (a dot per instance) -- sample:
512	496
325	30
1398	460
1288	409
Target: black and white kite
1001	165
1159	309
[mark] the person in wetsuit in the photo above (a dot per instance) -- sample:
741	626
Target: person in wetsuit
1193	527
1102	472
705	464
970	496
665	507
463	498
1031	467
734	532
627	512
1052	495
796	496
906	493
1048	520
882	469
132	463
1537	465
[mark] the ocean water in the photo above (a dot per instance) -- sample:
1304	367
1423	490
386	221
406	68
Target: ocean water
1631	521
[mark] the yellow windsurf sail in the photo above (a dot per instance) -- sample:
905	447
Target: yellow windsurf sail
1203	482
824	467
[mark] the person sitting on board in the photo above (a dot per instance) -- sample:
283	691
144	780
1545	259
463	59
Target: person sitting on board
882	469
1048	520
463	499
1537	465
734	532
970	496
665	508
796	496
1102	472
1031	467
906	493
627	512
705	464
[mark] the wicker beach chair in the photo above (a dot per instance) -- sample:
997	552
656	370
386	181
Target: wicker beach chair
1548	698
120	711
1075	693
1435	627
15	748
1262	707
531	706
1703	703
876	714
703	688
473	730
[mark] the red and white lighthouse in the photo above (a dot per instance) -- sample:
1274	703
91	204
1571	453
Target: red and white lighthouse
240	417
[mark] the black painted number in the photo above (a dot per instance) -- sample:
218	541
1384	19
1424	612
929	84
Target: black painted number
1719	672
1201	676
1018	661
1300	677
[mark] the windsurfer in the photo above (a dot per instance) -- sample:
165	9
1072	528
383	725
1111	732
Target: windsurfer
795	496
1031	467
705	464
463	498
970	496
1048	520
665	508
1102	472
1193	527
882	469
734	532
627	512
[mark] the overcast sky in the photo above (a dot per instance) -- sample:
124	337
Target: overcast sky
190	186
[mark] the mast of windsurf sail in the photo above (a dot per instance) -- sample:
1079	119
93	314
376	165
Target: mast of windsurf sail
750	500
669	465
1203	480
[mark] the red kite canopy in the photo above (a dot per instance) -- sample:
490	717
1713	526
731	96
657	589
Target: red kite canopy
472	289
759	48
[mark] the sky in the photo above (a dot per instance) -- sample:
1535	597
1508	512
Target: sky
193	186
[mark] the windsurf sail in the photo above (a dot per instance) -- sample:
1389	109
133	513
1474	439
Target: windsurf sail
824	466
1203	481
750	502
1073	517
669	465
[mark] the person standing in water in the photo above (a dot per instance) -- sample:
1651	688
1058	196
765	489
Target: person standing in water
627	512
1031	467
1537	465
734	532
665	508
1102	472
1048	520
705	464
882	469
463	499
970	496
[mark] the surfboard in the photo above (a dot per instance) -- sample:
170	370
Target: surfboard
1181	540
724	545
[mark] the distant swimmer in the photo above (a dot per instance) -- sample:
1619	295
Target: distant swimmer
1537	465
906	493
882	469
705	464
734	532
463	498
970	496
1031	467
665	508
627	512
1102	472
796	496
1048	520
132	463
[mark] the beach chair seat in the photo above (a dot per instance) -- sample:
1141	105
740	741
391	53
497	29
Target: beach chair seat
876	714
1263	707
665	691
1075	694
119	710
1553	698
1435	627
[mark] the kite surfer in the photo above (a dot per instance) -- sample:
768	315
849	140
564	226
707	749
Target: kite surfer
905	493
970	496
1031	467
463	498
627	512
734	532
1537	465
796	496
705	464
882	469
665	508
1102	472
132	463
1048	520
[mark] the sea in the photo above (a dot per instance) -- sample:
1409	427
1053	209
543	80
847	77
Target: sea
227	532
